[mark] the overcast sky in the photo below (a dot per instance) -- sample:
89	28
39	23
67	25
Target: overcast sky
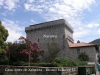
82	15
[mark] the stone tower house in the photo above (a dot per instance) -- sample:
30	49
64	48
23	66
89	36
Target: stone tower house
58	30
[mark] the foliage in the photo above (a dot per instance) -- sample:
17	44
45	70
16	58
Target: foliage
20	63
3	38
3	59
3	44
42	64
24	50
83	56
53	49
65	62
61	62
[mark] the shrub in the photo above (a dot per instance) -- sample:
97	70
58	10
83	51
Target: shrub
83	56
4	60
65	62
44	64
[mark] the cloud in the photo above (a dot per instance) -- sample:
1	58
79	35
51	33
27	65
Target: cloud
33	21
14	30
79	4
4	14
98	31
30	1
9	4
88	32
71	10
83	34
31	7
92	25
80	33
1	2
67	9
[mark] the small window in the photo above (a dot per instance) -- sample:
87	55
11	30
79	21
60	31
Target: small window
38	40
52	38
78	51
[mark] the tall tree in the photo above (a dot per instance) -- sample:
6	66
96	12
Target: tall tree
51	54
3	37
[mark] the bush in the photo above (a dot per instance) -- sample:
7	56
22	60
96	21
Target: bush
19	63
65	62
58	62
4	60
83	56
44	64
60	59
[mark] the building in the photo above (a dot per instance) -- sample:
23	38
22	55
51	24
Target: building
61	32
90	49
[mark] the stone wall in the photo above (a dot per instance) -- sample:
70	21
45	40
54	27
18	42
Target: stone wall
89	50
47	35
15	70
47	32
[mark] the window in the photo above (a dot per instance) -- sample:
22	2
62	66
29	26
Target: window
78	51
38	40
52	38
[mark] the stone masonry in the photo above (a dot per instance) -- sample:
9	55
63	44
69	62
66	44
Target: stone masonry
89	50
58	30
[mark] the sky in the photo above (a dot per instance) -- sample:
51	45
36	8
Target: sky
82	15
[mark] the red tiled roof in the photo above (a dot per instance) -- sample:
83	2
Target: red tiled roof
81	45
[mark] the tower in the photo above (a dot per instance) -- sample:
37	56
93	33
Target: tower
58	30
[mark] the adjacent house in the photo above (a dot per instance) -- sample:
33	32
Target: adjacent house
90	49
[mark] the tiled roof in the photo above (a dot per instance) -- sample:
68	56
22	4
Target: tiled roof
81	45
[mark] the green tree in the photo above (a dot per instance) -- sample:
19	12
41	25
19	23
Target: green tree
83	56
3	37
3	44
51	54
